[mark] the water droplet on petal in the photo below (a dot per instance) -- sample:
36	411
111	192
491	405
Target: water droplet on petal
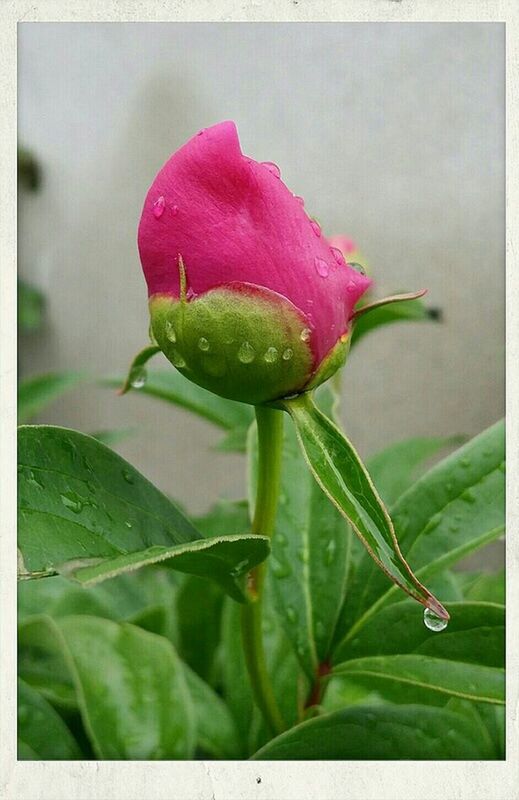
433	621
305	334
158	207
137	377
128	476
246	353
272	168
203	344
322	267
351	287
199	133
170	331
287	354
299	200
191	294
315	227
338	256
174	211
271	355
357	267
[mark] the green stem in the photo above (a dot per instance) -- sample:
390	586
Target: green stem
270	445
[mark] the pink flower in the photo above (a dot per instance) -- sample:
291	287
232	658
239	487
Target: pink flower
230	227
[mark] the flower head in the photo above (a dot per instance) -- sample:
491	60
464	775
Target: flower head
247	297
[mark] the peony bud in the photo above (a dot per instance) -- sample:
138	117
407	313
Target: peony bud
247	297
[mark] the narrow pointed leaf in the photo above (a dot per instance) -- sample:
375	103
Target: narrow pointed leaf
171	387
136	376
309	562
339	471
386	732
42	734
406	311
451	511
36	393
86	513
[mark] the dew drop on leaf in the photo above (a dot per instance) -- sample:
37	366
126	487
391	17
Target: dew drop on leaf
280	570
433	621
128	476
291	614
72	501
137	377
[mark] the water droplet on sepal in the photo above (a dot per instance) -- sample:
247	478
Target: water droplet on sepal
246	353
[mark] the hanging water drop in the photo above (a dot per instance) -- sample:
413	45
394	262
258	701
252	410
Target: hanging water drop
305	334
271	355
433	621
272	168
321	267
203	344
137	377
158	207
357	267
246	353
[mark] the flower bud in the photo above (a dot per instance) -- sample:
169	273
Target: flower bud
247	297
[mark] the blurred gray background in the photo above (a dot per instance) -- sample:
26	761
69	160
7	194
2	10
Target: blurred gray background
393	134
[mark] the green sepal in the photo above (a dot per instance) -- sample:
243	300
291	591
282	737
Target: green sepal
136	371
332	362
239	341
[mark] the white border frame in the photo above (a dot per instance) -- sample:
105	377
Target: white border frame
290	780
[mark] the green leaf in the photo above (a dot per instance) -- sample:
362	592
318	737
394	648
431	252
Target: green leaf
42	734
198	610
485	586
487	719
216	732
130	686
339	471
475	634
111	437
454	509
420	676
309	562
88	514
171	386
36	393
137	375
41	662
406	311
394	469
411	732
31	307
